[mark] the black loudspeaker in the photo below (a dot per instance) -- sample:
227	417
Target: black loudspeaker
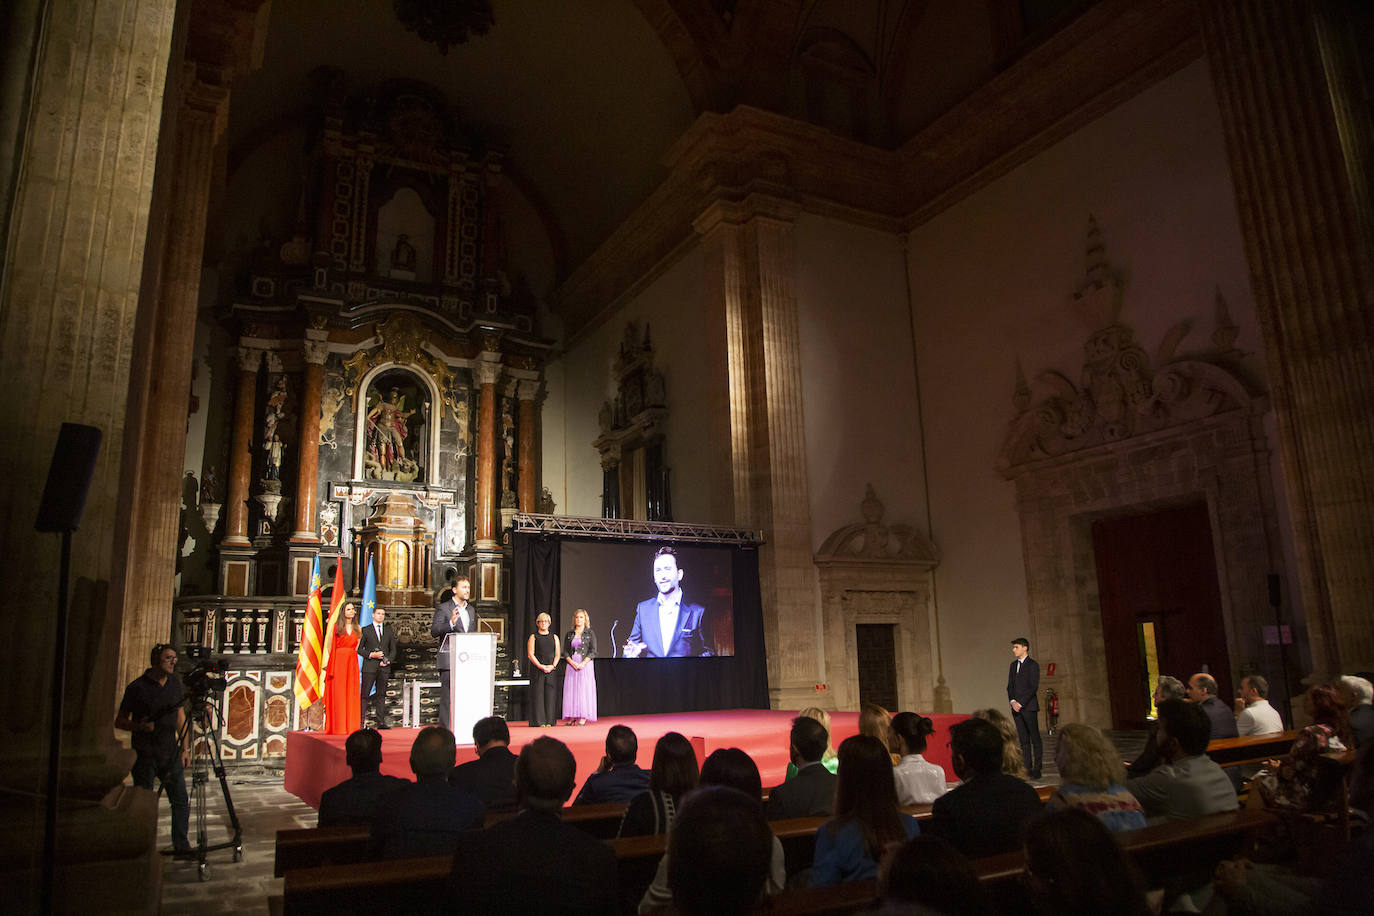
1275	598
69	478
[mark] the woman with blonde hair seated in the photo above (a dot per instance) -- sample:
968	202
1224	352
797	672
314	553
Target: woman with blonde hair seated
1093	778
876	722
1013	764
829	760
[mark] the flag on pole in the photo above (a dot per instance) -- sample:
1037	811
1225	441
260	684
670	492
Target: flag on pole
365	618
310	659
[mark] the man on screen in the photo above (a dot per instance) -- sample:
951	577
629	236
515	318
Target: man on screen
666	626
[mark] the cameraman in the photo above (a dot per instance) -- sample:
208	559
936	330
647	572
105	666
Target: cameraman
153	710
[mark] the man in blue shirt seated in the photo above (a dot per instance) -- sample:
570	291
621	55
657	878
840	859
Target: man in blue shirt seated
619	778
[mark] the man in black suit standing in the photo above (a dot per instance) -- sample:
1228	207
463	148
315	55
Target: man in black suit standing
1023	680
452	616
377	646
811	793
491	777
354	801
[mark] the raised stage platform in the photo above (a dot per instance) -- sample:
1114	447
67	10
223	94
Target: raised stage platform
314	762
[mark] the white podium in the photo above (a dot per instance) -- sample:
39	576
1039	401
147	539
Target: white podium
472	680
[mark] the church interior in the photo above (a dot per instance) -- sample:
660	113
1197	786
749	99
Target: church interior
1041	318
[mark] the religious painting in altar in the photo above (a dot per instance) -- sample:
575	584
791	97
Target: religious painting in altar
397	428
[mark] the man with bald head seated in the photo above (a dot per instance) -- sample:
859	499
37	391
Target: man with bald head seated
534	863
354	801
425	818
1202	690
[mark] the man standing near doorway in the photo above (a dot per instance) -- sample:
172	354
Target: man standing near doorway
1023	680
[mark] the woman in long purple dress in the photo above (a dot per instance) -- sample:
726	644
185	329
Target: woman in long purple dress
579	683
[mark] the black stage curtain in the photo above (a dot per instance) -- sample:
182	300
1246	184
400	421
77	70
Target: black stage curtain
626	687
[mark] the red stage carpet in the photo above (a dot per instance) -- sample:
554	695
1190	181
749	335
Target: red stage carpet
314	762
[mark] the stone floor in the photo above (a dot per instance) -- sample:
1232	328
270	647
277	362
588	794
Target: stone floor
264	807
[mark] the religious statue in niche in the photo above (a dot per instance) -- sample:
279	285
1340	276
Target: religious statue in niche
274	448
395	430
508	440
276	409
331	399
403	255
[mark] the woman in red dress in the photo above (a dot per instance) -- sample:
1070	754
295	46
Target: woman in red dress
342	698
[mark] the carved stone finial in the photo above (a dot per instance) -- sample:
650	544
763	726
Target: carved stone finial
1224	337
1021	398
1097	301
871	507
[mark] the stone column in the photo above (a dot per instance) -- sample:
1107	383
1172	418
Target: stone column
1277	71
241	449
753	312
307	483
488	372
527	390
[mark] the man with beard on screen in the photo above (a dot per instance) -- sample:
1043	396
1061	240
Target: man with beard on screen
667	625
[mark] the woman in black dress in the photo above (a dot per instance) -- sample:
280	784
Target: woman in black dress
543	651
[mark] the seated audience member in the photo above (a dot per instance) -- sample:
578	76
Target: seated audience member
426	817
1359	693
354	801
1167	688
928	875
1074	866
534	863
673	775
491	777
1202	690
1013	761
718	853
734	769
831	761
811	793
1302	780
618	778
1254	715
1091	777
866	821
876	722
919	782
984	816
1188	783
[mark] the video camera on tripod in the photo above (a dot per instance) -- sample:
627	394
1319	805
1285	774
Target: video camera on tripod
207	678
205	684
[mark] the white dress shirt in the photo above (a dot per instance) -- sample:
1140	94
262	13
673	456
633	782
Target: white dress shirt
1259	718
668	607
919	782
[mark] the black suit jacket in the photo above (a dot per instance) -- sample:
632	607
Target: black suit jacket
618	784
368	643
354	801
1223	718
443	625
811	793
423	819
1022	685
491	777
534	863
984	817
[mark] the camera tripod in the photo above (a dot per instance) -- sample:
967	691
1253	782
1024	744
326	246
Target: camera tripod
203	724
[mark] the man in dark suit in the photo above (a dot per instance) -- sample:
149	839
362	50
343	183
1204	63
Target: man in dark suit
985	815
811	793
666	625
1023	680
491	777
618	778
354	801
534	862
1202	690
426	817
452	616
377	646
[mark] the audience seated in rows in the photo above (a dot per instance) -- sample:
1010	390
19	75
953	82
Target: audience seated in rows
829	758
1302	780
1202	690
985	815
1074	866
1254	715
1013	760
533	862
718	853
866	819
876	722
354	801
811	793
491	777
731	768
619	778
673	775
919	782
1091	777
927	875
1188	783
1167	688
1359	694
426	817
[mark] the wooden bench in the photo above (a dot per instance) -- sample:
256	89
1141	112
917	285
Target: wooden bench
1234	752
314	846
401	886
600	820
